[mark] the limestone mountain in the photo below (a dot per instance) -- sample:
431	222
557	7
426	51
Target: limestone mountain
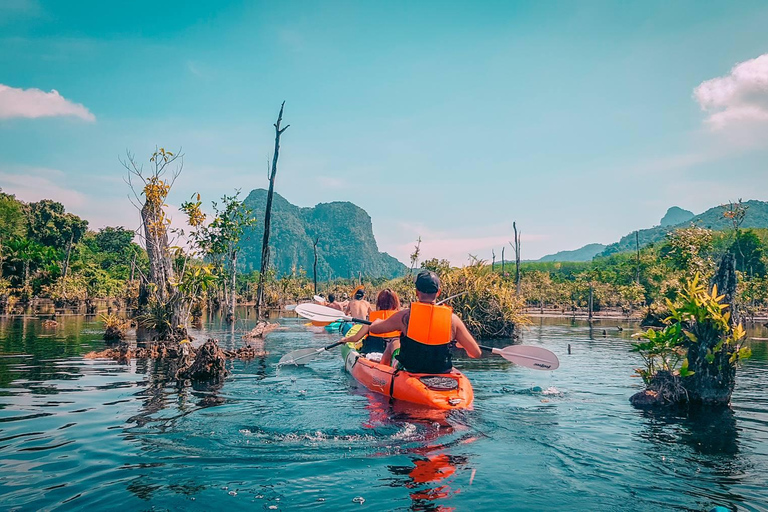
676	215
585	253
346	243
756	217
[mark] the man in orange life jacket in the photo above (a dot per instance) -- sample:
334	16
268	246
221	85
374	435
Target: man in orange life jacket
427	330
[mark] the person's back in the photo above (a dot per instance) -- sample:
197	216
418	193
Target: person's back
332	302
427	331
425	343
358	307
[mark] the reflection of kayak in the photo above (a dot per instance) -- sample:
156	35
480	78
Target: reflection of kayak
442	391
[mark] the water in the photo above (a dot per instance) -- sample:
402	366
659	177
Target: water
90	434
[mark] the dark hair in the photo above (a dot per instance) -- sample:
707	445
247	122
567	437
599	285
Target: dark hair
331	297
359	294
387	299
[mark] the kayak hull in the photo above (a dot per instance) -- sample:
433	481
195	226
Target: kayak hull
407	386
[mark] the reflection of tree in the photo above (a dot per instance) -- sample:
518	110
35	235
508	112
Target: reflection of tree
709	431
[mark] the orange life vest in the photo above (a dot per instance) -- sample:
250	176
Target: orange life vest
383	315
430	324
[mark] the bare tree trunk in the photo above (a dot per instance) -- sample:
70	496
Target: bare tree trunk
314	266
637	246
502	262
268	214
160	266
66	267
133	266
517	259
233	301
591	301
493	260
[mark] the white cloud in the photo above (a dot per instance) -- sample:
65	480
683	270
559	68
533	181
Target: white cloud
739	97
34	184
34	103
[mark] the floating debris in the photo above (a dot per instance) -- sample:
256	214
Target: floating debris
358	499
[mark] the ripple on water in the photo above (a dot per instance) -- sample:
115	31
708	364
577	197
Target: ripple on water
79	434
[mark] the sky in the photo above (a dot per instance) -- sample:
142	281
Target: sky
581	121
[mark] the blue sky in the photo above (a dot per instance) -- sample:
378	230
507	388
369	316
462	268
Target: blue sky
582	121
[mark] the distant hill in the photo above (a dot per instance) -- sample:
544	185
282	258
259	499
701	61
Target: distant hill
676	215
585	253
756	217
346	242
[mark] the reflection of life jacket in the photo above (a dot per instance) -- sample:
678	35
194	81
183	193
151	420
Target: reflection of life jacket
424	348
377	342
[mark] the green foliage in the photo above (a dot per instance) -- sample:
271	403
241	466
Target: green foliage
13	222
749	252
50	225
696	314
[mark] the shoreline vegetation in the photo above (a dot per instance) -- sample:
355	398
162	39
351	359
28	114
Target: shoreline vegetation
49	258
174	276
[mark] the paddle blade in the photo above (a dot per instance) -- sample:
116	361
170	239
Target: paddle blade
319	299
536	358
298	355
319	313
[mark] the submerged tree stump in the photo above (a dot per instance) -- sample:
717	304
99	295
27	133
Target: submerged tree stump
260	330
712	383
209	364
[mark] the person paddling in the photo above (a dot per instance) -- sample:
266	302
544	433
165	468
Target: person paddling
387	304
427	331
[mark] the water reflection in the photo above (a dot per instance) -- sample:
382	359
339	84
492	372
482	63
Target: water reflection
708	431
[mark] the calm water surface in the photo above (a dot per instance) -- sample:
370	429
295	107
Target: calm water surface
78	434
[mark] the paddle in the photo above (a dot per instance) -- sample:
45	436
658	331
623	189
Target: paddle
319	313
536	358
304	353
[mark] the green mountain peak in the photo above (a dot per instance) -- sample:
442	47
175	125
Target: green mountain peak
346	245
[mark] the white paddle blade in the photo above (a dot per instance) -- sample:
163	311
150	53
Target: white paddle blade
298	355
320	313
319	299
536	358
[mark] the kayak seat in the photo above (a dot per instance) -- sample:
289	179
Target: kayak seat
439	383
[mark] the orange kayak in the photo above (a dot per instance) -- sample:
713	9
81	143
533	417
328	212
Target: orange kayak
444	391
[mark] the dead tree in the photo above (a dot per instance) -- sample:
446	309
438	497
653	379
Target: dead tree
154	188
268	213
493	260
502	261
637	247
314	265
516	247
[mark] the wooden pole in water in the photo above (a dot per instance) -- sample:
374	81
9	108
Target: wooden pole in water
591	294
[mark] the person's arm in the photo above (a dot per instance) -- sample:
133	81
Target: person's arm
465	339
360	334
393	323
